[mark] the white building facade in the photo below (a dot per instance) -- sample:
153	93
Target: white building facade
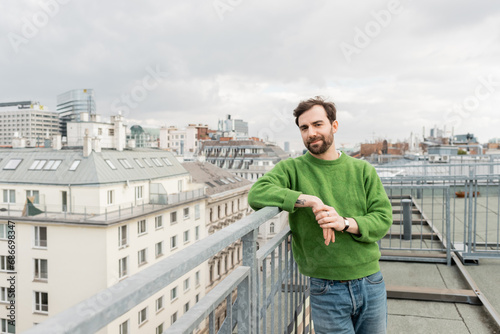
96	219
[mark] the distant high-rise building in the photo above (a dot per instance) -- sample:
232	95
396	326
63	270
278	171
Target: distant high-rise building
70	104
287	146
28	120
234	128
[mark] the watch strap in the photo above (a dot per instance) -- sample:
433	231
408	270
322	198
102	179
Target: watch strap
346	223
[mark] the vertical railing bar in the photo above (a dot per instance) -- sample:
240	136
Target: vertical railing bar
470	221
229	309
474	198
448	237
296	290
258	301
273	268
432	216
280	292
264	295
487	209
211	322
287	269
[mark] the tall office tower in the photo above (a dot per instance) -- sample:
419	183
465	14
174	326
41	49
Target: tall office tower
70	104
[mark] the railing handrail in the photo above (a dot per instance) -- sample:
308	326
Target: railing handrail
102	308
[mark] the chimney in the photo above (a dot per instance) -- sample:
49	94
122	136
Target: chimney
84	116
96	144
56	142
87	145
120	134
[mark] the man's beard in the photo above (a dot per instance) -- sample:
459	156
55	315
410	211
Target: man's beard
325	145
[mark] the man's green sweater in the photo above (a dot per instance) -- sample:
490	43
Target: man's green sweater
349	185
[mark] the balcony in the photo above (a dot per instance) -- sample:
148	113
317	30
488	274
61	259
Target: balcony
100	215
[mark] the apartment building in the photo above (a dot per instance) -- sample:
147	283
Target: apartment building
97	217
226	203
248	158
183	141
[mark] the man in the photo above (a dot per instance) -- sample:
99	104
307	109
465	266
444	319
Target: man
338	211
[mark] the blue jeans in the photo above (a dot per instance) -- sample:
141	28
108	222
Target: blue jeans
357	306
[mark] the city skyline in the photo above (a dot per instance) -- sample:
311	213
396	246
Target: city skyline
392	67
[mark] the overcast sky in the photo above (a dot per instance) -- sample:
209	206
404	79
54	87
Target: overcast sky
391	67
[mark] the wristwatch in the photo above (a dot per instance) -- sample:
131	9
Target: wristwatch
346	223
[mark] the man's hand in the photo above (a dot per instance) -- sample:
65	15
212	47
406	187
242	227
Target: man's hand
328	218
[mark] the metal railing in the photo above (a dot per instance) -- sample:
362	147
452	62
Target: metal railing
252	310
104	213
421	224
474	205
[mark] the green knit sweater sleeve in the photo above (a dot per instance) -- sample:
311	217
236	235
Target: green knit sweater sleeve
378	219
273	189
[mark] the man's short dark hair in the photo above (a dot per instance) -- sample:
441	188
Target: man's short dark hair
304	106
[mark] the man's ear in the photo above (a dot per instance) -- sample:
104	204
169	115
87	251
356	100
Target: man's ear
335	126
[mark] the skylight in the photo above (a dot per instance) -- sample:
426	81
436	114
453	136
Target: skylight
125	163
147	162
211	185
231	180
52	164
110	164
224	181
157	162
13	163
166	161
237	178
139	163
74	165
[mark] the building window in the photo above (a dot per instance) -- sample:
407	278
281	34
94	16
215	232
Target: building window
40	269
3	231
173	294
186	213
271	228
41	302
122	236
35	194
197	233
143	315
186	307
123	267
110	197
3	295
197	278
8	327
158	222
159	249
197	211
9	196
124	328
142	227
173	318
6	263
186	236
173	242
159	329
173	217
179	185
40	236
186	284
159	304
197	298
138	192
142	256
